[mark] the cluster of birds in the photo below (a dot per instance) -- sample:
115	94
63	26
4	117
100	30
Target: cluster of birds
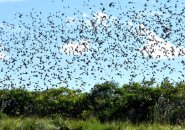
46	52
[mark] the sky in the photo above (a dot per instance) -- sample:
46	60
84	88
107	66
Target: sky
52	43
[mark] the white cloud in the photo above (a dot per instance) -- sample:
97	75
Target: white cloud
130	24
156	47
88	22
2	25
85	15
78	48
2	56
101	16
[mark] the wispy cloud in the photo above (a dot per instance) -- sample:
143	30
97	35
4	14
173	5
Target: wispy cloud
101	16
1	25
91	20
156	47
77	48
2	55
95	19
85	15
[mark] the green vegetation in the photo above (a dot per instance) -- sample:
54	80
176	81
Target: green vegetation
106	106
59	123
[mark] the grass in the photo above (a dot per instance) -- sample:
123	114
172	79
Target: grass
26	124
58	123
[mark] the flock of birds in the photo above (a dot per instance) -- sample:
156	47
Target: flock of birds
45	52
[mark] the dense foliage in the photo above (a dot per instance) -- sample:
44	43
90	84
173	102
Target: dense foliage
135	102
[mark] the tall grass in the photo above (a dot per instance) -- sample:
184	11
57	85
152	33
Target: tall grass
26	124
58	123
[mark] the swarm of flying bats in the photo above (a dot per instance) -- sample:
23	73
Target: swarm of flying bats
50	51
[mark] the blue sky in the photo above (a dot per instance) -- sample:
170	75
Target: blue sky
34	52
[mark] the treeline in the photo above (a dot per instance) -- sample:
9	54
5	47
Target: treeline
136	102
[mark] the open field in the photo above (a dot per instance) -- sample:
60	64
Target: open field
58	123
